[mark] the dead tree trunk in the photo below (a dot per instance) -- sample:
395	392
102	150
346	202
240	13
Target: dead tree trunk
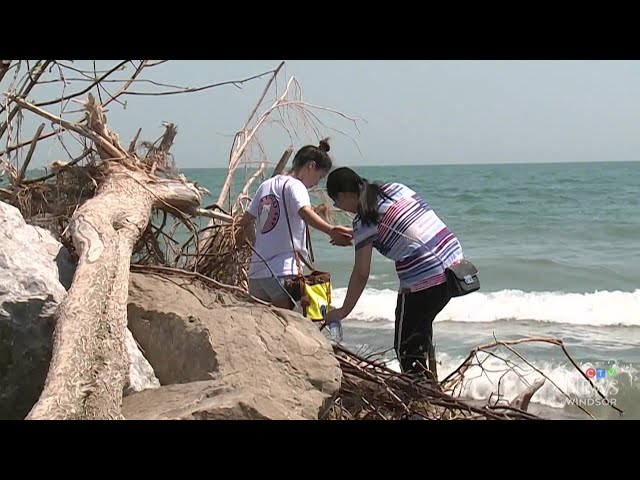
88	366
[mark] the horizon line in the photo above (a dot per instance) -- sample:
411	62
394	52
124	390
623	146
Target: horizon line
459	164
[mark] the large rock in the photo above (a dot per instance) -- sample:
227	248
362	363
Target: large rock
30	291
217	357
141	375
35	270
206	400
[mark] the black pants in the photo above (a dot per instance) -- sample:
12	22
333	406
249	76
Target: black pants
415	313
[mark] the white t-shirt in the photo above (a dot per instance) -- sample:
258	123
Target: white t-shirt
273	241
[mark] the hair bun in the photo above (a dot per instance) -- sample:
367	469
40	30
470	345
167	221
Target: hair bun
324	145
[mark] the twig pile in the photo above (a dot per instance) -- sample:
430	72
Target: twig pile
370	390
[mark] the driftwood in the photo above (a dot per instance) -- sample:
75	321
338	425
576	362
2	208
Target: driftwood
282	163
88	365
523	399
102	224
103	211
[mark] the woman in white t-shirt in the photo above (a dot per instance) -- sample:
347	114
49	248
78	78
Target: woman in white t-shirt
275	238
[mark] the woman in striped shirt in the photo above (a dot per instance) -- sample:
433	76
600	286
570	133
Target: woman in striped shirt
403	227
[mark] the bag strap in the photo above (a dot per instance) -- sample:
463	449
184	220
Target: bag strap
309	246
296	254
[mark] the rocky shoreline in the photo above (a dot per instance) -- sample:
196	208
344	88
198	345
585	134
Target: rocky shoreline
194	353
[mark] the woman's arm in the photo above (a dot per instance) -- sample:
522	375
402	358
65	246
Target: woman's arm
357	282
339	234
314	220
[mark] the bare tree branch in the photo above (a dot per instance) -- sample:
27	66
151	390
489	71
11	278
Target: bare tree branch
4	68
100	142
132	145
198	276
53	174
11	148
128	84
159	62
244	195
36	73
82	92
27	160
236	83
86	73
264	94
449	380
247	137
122	80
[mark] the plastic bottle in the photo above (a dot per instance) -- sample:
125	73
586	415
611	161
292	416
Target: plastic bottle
335	331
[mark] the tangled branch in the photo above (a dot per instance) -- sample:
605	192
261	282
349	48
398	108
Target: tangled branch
455	381
371	390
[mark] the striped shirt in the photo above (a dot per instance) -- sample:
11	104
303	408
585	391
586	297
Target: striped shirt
410	233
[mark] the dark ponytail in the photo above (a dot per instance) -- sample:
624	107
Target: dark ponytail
368	202
345	180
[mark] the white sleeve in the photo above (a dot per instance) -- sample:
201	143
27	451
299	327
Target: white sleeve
297	196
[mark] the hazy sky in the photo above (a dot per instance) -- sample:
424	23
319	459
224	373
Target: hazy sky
414	112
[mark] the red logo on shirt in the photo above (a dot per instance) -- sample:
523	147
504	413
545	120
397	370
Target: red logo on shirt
268	213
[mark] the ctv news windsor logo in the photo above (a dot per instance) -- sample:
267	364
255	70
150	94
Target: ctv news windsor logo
584	394
600	372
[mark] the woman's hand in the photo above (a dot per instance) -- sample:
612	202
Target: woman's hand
334	315
341	236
